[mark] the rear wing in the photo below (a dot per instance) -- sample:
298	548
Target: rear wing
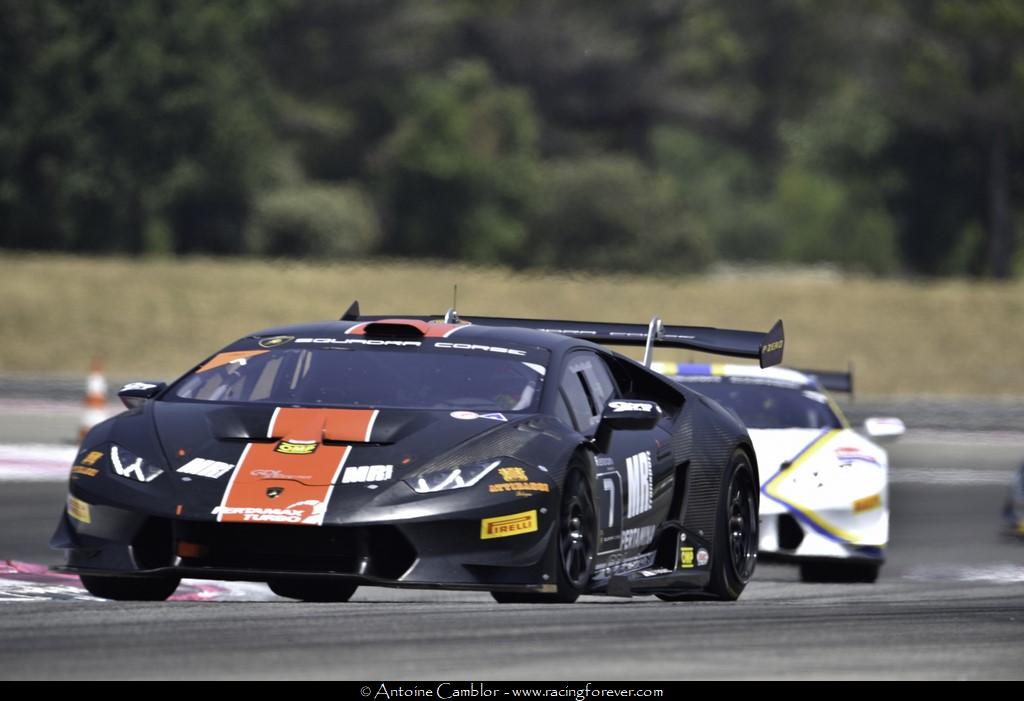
765	347
833	380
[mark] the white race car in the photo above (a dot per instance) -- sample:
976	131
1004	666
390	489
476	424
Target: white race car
824	486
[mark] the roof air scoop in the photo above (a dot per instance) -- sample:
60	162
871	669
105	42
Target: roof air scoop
397	328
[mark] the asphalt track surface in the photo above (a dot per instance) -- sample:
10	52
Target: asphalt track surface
949	605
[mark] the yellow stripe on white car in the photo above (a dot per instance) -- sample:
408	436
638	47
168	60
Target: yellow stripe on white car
776	484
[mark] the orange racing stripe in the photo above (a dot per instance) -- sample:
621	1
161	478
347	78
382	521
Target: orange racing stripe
229	357
271	486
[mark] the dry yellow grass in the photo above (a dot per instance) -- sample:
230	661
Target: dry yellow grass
155	318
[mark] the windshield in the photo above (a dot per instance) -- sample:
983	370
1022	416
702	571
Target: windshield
420	378
765	405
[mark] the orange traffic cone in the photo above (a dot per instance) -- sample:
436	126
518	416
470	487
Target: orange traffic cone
95	399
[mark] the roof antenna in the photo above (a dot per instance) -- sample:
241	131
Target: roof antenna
352	313
451	316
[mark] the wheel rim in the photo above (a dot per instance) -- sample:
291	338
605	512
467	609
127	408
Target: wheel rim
742	525
576	537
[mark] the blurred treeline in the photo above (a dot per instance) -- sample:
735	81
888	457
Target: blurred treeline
662	136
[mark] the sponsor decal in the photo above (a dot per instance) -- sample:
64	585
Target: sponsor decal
519	487
133	386
867	503
278	475
367	473
274	492
619	406
238	357
83	470
654	572
505	526
639	474
358	342
202	467
310	511
618	565
79	510
92	457
703	558
275	341
686	557
494	417
464	415
610	510
770	347
476	347
296	447
850	455
637	537
513	474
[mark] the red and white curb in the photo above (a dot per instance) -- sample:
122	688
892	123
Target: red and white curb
36	462
28	582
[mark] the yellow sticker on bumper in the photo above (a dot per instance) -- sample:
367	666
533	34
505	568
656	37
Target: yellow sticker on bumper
505	526
79	510
867	503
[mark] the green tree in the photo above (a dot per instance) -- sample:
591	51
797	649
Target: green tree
952	73
136	127
612	213
458	172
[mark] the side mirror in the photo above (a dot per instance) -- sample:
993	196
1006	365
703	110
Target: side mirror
626	415
884	428
135	394
630	415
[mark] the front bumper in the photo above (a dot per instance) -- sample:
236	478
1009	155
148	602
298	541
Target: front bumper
444	550
784	537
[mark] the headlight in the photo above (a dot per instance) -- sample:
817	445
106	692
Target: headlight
125	463
451	478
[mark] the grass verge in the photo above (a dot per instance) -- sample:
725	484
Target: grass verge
155	318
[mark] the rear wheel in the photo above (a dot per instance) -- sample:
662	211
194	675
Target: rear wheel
130	588
577	545
734	551
320	590
848	572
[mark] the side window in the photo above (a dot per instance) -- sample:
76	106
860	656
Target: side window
562	411
579	403
586	385
602	386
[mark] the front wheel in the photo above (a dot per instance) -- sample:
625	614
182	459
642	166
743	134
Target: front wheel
130	588
577	546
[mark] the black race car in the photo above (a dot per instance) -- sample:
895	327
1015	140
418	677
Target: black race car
513	456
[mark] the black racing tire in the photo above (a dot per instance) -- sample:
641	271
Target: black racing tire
314	590
130	588
839	572
734	551
576	543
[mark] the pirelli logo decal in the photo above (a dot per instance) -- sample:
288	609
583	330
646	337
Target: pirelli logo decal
505	526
